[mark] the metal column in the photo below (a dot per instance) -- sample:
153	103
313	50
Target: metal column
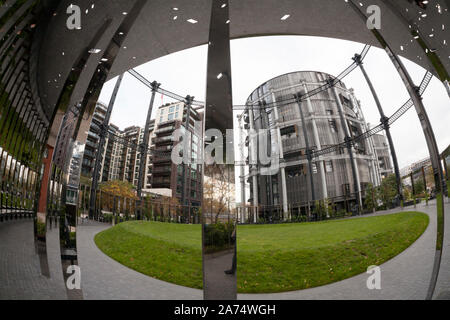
440	183
144	145
424	179
254	162
447	87
384	120
349	145
375	165
241	168
101	144
186	153
317	143
308	149
282	164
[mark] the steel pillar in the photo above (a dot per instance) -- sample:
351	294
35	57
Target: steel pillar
447	87
241	168
385	121
186	152
144	145
282	165
101	144
308	149
440	182
424	179
346	130
254	162
375	166
321	168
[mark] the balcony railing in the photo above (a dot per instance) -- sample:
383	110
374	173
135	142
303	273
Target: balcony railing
165	129
163	139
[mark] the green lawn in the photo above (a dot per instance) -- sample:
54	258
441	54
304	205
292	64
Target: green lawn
271	258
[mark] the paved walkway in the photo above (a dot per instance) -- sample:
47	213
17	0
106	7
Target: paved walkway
406	276
20	267
105	278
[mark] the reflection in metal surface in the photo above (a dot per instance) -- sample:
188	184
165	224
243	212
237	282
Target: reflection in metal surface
21	130
219	225
72	142
439	180
40	141
98	160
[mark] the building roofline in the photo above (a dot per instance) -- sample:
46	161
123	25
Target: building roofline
285	74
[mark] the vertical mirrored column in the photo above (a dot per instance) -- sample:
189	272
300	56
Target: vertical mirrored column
416	98
219	222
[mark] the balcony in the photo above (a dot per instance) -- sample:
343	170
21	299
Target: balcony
89	154
93	135
163	139
165	130
163	148
91	144
162	159
162	170
161	181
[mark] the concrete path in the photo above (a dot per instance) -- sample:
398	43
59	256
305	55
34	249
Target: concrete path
20	268
105	278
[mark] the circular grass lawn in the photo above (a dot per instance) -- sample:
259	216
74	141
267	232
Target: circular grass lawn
271	258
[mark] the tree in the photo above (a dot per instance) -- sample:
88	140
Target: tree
419	187
170	206
218	190
407	193
124	191
371	199
388	189
119	188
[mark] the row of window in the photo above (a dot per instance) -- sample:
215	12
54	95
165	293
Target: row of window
302	169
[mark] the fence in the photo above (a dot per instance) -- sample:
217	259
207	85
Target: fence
114	209
325	209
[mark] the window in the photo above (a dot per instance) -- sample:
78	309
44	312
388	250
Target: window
171	109
170	117
333	126
346	188
287	131
328	166
295	171
346	102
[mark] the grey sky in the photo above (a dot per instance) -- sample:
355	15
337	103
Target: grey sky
256	60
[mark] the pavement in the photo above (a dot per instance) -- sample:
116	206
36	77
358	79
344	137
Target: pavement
406	276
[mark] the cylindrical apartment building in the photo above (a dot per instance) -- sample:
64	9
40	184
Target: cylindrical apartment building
296	125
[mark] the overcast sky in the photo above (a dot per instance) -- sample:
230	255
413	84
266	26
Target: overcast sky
256	60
